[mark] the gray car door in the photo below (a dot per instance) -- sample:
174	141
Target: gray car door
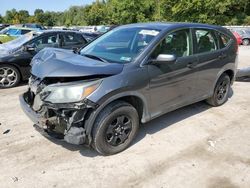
210	60
172	84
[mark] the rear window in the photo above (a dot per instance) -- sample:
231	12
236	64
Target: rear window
224	40
24	32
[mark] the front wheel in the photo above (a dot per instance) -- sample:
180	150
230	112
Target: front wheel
221	91
115	128
9	76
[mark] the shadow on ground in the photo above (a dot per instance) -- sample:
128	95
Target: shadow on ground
151	127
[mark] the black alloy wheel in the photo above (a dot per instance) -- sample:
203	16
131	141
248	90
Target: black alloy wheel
221	91
115	128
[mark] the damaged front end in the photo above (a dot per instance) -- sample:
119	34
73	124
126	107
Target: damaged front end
59	107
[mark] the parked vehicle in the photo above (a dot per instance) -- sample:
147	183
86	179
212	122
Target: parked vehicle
15	66
128	76
245	35
11	33
2	26
34	26
238	38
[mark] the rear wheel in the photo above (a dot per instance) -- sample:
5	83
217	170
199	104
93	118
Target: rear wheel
221	91
115	128
9	76
246	42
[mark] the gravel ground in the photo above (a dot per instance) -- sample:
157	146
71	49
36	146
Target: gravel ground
195	146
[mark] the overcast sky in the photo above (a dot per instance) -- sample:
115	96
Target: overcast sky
31	5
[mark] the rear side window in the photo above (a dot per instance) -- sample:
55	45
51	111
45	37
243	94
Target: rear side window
73	39
205	41
224	40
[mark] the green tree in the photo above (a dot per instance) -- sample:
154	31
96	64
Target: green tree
39	16
1	19
95	14
10	16
130	11
22	16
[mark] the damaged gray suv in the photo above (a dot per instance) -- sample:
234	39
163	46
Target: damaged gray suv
98	95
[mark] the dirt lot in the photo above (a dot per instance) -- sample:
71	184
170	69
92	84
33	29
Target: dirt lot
196	146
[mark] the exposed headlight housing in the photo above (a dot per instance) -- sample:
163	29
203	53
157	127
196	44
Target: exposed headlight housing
69	92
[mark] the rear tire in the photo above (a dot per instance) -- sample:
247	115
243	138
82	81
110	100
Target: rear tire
9	76
115	128
221	91
246	42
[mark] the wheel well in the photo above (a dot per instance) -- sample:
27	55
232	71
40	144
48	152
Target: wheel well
230	73
136	102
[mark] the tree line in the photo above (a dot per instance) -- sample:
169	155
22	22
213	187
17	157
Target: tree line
116	12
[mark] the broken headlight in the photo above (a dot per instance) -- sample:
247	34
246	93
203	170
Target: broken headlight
69	92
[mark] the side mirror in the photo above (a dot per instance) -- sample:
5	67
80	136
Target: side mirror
165	58
29	48
75	50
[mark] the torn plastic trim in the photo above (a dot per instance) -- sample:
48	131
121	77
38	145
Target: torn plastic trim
243	74
73	116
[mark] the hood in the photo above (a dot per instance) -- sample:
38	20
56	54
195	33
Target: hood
53	62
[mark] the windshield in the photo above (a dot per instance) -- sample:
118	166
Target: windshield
121	45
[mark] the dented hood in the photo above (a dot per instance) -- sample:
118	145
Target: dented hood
53	62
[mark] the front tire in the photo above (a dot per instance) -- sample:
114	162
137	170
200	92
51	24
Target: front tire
9	76
221	91
115	128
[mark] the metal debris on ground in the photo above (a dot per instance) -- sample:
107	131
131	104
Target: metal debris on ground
7	131
211	143
15	179
243	74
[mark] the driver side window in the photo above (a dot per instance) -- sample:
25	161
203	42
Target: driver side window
46	41
177	43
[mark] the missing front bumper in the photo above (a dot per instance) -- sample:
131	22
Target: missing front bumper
66	123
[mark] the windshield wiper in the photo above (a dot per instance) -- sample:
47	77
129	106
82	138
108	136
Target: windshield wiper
95	57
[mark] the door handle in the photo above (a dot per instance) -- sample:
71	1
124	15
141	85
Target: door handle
222	56
191	65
